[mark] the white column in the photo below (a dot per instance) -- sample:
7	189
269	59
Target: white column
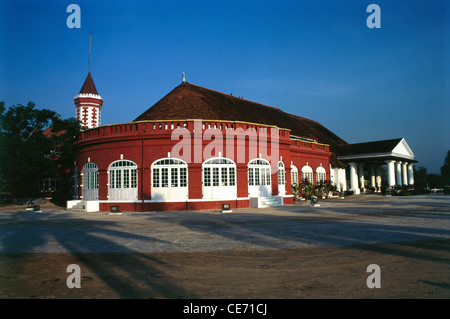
378	178
390	173
405	173
411	174
361	176
333	175
372	176
353	178
398	173
342	179
339	178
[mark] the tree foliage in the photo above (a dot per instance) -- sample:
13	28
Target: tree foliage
34	144
445	169
423	179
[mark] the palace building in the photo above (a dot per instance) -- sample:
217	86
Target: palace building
197	148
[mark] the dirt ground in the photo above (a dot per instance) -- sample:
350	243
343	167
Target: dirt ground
413	265
416	270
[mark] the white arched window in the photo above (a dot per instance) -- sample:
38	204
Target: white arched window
307	174
259	178
321	174
219	178
294	175
123	180
90	181
281	179
169	179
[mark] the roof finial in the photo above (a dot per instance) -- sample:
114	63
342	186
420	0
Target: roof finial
184	77
90	36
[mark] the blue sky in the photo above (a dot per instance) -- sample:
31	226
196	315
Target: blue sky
316	59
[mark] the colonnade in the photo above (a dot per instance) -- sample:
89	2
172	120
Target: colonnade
397	173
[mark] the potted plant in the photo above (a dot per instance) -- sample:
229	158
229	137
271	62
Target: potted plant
295	191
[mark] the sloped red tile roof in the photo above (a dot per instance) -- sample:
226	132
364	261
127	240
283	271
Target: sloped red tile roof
89	86
189	101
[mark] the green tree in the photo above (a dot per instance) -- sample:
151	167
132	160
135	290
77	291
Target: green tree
34	144
420	177
445	169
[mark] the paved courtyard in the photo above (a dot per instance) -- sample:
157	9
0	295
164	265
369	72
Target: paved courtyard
294	251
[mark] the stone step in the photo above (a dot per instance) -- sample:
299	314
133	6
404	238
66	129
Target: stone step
78	207
270	201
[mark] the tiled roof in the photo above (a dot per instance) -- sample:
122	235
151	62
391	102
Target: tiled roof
384	146
188	101
89	86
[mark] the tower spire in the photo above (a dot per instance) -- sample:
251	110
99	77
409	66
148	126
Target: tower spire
88	102
184	77
90	36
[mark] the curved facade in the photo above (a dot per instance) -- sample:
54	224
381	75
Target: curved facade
190	164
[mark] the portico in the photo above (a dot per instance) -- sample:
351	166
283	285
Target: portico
395	157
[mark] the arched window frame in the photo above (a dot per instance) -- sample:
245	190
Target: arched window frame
90	176
281	173
128	180
219	171
123	180
294	175
321	174
169	172
308	174
262	176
